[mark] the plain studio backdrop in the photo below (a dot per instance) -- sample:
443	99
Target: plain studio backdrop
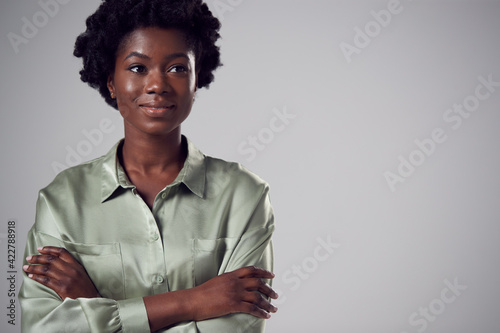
376	123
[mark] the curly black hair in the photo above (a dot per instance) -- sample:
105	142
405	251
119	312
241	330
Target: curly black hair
115	19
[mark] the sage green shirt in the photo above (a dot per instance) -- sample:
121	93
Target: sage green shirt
214	218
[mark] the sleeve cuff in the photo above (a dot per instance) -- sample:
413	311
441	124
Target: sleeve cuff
133	315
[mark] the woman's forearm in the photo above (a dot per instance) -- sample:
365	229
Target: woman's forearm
242	290
169	308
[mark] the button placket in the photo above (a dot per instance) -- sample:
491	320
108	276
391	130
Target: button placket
156	261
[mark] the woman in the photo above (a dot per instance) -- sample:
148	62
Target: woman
153	236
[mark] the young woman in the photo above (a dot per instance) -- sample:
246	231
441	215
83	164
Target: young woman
155	235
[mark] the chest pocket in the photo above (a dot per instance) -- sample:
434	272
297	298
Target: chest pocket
210	257
103	263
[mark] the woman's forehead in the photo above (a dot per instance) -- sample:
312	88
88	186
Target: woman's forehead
154	40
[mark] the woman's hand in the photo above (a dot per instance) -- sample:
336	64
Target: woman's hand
57	269
242	290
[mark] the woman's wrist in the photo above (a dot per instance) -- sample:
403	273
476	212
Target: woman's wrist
169	308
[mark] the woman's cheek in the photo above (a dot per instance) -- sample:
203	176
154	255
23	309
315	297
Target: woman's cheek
132	88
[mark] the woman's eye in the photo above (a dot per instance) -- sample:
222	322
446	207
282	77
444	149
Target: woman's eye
137	69
178	69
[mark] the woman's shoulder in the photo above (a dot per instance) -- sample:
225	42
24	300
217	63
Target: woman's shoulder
87	175
220	171
234	175
81	176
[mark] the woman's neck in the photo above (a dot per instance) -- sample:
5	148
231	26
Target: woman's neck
153	154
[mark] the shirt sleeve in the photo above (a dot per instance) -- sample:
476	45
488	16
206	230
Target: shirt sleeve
253	249
44	311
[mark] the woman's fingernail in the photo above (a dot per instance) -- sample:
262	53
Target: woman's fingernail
30	276
40	248
28	258
25	267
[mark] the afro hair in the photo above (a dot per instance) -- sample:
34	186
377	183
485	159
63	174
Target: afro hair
115	19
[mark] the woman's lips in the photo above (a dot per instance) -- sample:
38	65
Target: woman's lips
157	111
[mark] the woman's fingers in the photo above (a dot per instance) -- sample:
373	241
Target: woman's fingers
243	290
51	264
41	259
48	270
257	284
252	271
52	283
60	252
44	274
253	279
255	300
258	291
260	301
255	310
57	269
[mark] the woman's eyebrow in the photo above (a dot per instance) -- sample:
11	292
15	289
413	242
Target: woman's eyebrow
177	55
136	54
168	57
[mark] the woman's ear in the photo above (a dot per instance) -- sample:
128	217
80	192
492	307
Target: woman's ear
111	86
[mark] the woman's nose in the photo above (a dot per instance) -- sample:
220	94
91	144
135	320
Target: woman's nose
157	83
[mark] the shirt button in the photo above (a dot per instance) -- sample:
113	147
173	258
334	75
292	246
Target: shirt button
163	195
155	237
159	279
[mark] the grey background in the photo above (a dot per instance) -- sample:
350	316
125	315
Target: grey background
395	251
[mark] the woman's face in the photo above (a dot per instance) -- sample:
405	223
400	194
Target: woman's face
154	81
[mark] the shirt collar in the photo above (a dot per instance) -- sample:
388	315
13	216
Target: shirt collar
192	174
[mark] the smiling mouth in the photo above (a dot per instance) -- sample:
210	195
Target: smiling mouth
156	110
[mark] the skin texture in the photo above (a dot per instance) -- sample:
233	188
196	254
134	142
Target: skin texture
57	269
154	84
224	294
